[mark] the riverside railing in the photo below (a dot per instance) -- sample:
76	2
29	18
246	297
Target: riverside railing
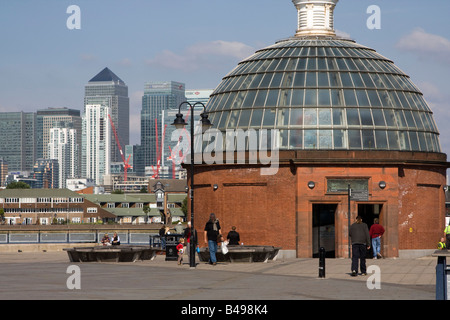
127	236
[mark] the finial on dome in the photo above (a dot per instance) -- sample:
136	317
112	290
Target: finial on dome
315	17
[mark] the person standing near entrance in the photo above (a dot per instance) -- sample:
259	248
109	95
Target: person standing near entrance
447	236
376	231
360	238
212	233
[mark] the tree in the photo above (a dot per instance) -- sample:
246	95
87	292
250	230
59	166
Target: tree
18	185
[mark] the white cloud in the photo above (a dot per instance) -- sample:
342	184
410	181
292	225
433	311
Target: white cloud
426	46
205	55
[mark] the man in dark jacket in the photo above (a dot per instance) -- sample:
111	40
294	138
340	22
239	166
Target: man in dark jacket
360	238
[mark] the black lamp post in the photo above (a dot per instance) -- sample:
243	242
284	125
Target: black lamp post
179	123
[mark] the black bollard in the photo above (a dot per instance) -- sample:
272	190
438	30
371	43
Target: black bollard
322	262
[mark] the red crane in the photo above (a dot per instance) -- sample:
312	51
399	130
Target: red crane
126	164
159	149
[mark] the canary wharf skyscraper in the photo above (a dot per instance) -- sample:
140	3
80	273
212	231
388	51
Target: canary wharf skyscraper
108	90
159	99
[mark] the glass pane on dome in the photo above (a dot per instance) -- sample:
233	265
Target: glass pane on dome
400	118
273	65
256	117
325	139
229	101
223	119
414	141
288	79
311	79
299	79
363	101
310	117
390	117
323	79
351	65
379	84
269	117
276	81
324	117
338	117
332	65
282	65
354	139
296	139
381	139
378	117
292	65
237	103
297	97
385	99
373	97
367	80
312	64
232	122
322	64
266	80
403	100
409	119
324	97
249	99
393	140
403	140
296	117
352	117
260	100
283	139
272	98
337	98
346	80
418	120
282	117
310	139
357	80
244	119
341	64
256	81
302	64
422	142
339	139
366	117
285	97
350	98
334	81
368	139
311	97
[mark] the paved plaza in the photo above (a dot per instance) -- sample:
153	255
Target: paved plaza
45	275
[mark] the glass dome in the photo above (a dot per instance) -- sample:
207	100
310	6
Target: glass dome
325	93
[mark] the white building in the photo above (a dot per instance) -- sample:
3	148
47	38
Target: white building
97	138
64	147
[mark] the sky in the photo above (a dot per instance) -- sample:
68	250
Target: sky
44	63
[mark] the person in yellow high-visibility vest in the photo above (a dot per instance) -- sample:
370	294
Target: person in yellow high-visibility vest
441	245
447	236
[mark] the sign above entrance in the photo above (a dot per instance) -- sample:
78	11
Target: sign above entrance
359	195
341	185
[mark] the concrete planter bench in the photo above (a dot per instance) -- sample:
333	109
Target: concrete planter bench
242	254
122	253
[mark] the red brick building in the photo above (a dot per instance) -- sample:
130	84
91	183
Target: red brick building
341	114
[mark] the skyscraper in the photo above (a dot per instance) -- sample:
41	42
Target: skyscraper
159	99
108	90
17	137
64	146
96	145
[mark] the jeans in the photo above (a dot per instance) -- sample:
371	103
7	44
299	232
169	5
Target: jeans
376	246
212	246
359	252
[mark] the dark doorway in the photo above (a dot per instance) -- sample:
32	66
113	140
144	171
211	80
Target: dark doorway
368	213
324	229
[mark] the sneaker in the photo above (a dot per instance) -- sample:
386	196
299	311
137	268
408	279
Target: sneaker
364	274
379	255
354	273
375	258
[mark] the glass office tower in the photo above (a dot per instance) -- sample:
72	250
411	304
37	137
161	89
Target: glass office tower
17	136
159	99
108	90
